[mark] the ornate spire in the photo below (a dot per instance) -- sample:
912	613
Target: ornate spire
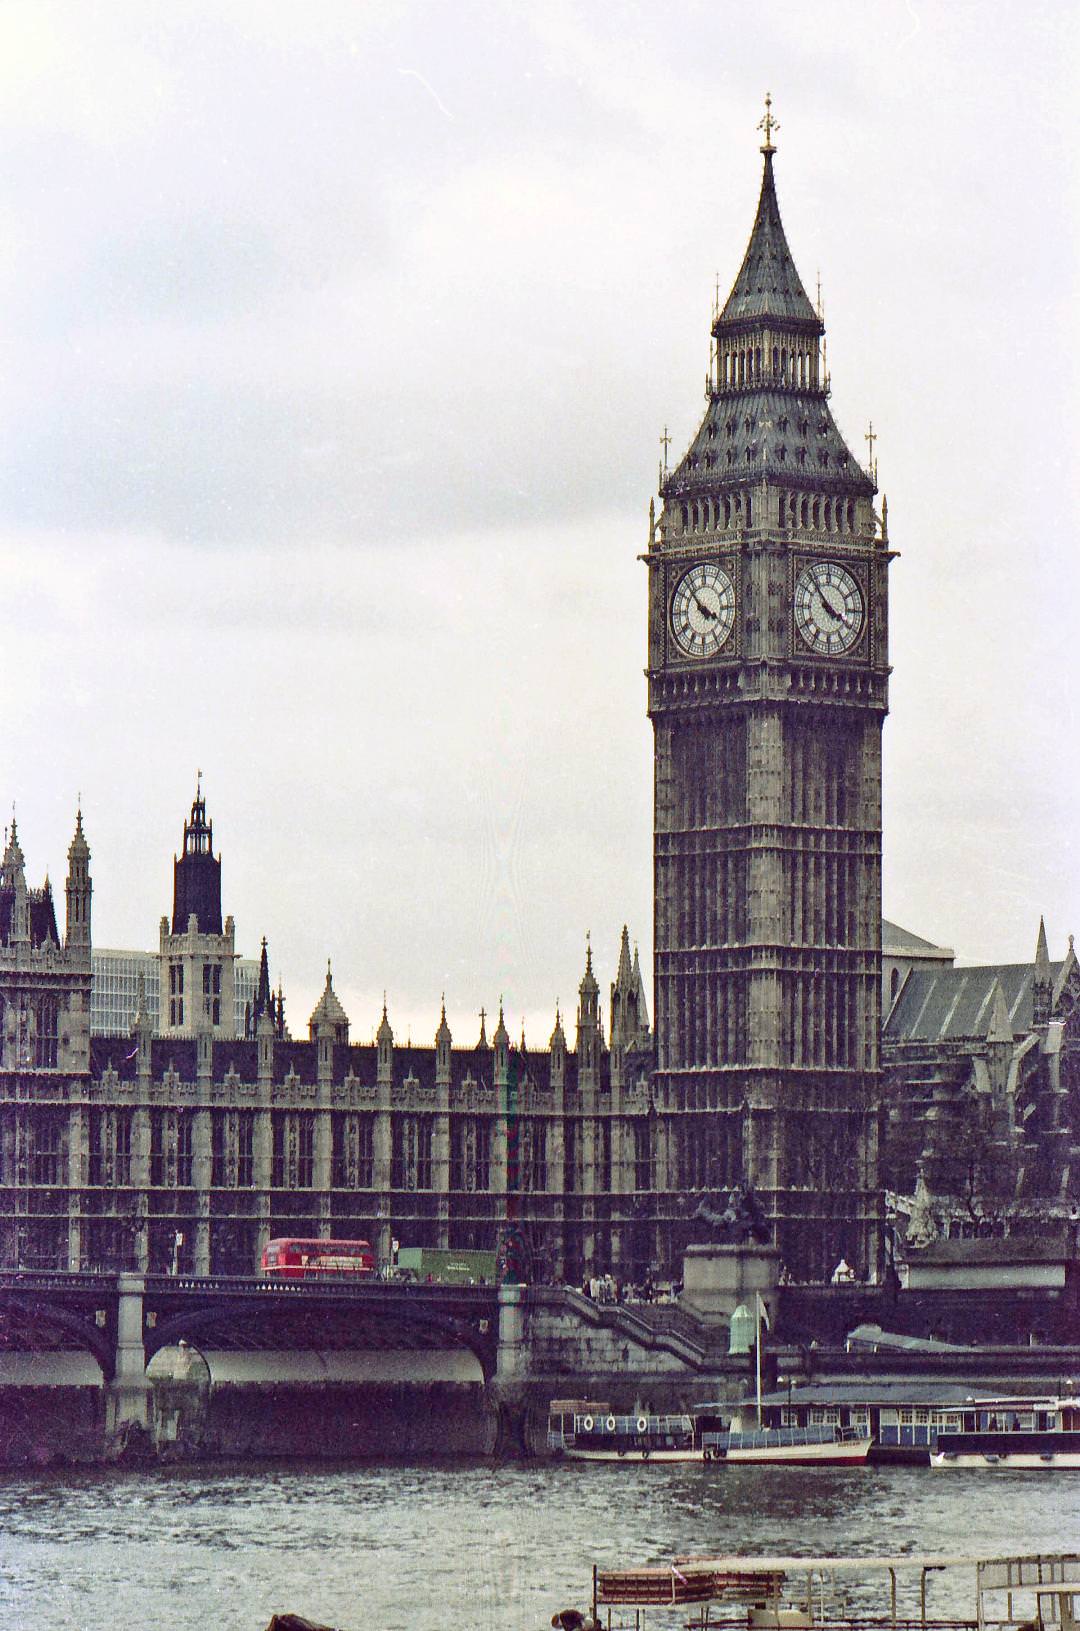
768	284
1042	981
384	1034
329	1017
768	124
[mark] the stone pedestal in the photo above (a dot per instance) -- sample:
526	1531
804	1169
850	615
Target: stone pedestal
716	1279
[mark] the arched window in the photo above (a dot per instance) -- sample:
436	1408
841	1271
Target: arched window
757	363
685	519
806	512
749	510
775	360
851	515
817	514
727	512
783	363
828	515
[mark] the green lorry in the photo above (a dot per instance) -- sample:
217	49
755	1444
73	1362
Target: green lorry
432	1264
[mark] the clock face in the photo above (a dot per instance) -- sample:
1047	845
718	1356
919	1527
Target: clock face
703	610
828	608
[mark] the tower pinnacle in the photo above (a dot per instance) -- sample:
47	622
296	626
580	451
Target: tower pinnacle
768	124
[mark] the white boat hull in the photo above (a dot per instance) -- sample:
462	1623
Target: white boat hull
846	1453
634	1455
1003	1458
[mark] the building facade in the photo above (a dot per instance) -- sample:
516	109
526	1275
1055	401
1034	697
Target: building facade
768	684
185	1147
982	1096
117	976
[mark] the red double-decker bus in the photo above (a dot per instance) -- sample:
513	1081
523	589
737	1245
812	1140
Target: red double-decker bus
318	1259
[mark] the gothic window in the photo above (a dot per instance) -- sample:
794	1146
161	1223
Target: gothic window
782	425
781	452
731	455
110	1147
353	1153
823	458
46	1148
748	424
805	512
804	427
642	1156
851	515
46	1041
730	427
685	519
801	455
710	460
572	1157
749	510
305	1151
817	513
727	512
603	1162
828	515
776	359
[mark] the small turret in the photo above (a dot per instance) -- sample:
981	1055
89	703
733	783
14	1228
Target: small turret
500	1042
590	1038
443	1044
329	1021
13	881
557	1045
1042	983
79	889
384	1038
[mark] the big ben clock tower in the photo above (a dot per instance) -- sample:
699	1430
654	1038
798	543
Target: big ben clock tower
768	682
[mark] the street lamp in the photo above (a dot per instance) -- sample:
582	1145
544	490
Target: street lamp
780	1381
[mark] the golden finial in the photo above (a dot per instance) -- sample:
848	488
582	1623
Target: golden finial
768	125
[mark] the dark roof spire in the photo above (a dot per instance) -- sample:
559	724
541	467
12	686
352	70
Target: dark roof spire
768	284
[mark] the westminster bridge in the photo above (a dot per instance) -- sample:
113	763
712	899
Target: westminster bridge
93	1364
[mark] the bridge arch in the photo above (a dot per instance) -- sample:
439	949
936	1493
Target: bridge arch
36	1310
196	1325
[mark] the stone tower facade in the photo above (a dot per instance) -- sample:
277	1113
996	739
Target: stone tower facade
198	952
768	671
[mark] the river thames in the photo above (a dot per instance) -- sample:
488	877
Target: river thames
463	1544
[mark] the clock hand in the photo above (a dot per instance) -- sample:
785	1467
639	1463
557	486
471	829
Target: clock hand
705	610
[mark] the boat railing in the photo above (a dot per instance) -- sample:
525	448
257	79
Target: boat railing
1039	1592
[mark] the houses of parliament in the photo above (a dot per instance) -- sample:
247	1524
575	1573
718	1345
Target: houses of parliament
778	1060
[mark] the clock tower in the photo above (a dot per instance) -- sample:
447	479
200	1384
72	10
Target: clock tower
768	680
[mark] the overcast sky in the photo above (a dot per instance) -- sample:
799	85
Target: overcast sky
338	340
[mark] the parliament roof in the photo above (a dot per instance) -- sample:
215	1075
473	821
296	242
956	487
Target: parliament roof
956	1004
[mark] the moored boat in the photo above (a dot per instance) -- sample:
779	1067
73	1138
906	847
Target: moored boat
1017	1432
585	1430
